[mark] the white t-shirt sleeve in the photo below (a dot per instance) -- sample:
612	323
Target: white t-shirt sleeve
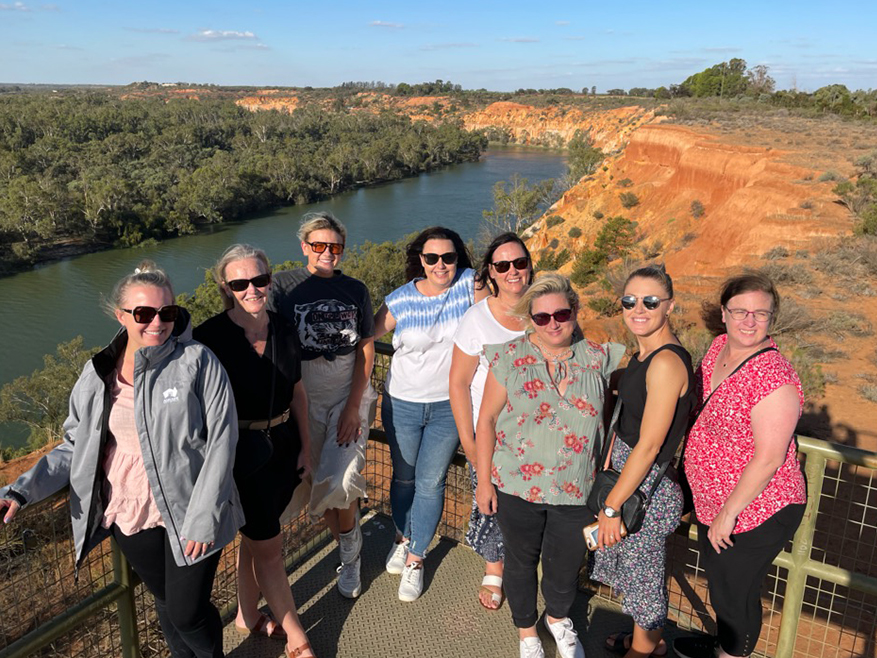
469	337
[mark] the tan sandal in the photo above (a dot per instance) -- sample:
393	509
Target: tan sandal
496	599
264	627
298	651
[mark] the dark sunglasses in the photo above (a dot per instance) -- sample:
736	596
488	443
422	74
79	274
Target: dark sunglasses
239	285
561	315
335	248
502	266
449	258
145	314
651	302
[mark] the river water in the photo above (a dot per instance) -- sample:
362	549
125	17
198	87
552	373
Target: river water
58	301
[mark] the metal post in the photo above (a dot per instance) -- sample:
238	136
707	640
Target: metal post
801	547
125	606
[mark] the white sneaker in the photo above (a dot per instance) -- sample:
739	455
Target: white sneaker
531	647
412	581
567	640
349	583
397	556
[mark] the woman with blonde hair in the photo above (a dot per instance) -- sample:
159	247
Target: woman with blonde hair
541	415
332	314
260	352
148	452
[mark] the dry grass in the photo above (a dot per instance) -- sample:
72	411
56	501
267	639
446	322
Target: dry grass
790	275
844	323
869	392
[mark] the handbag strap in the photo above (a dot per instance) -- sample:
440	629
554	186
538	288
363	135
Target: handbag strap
681	451
272	337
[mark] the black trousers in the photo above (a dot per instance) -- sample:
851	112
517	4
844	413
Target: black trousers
735	576
552	532
189	621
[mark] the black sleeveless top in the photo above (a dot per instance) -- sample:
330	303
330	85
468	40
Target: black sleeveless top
632	391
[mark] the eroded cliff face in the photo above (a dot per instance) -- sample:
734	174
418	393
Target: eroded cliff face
269	99
752	201
555	126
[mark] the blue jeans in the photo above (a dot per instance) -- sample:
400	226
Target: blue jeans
423	440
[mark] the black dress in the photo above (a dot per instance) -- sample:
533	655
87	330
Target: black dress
266	491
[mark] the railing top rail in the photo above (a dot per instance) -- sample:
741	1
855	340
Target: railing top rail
838	452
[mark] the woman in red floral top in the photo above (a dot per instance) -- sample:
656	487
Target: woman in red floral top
740	459
539	418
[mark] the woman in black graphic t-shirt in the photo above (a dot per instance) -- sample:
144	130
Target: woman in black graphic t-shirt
332	314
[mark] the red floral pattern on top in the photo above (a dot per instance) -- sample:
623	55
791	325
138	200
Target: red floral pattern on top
721	444
541	434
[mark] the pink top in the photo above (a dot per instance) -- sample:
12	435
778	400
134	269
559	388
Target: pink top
721	444
129	500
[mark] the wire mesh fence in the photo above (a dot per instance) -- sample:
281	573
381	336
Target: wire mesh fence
833	617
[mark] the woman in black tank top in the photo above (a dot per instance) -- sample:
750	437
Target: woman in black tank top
656	392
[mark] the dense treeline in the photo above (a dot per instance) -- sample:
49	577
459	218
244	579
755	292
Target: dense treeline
93	167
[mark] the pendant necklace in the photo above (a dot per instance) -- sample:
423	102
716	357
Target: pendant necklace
559	360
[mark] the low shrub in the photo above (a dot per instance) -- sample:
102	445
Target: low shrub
628	199
553	221
554	244
791	275
831	175
606	307
598	214
575	232
697	209
625	182
869	392
791	319
844	323
553	260
776	253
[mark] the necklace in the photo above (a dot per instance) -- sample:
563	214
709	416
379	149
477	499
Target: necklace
559	360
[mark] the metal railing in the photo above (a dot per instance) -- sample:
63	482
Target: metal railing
820	598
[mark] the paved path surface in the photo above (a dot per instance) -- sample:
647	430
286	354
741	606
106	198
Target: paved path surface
446	622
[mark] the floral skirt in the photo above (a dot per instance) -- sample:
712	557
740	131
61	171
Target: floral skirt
483	534
635	567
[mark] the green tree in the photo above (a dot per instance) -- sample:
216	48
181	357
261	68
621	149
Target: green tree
583	157
40	400
517	204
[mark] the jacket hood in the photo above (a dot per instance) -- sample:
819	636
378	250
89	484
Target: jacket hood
105	360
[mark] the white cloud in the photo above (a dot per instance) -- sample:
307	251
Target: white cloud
395	26
18	6
222	35
520	39
561	22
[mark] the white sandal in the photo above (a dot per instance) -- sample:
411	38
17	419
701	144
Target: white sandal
496	599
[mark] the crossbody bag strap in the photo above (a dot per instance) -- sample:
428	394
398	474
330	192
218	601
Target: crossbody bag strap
609	440
271	337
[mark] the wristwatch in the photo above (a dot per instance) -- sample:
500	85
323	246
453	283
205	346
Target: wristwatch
610	513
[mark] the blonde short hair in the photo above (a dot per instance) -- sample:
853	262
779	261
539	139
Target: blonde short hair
316	221
230	255
548	283
146	273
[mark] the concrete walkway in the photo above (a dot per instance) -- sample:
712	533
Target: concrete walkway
446	622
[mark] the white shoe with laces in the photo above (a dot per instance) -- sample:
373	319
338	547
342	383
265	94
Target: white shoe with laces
350	545
531	647
411	585
397	556
566	638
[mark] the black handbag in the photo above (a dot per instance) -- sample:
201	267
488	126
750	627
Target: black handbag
633	511
255	448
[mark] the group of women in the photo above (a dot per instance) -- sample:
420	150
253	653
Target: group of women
172	447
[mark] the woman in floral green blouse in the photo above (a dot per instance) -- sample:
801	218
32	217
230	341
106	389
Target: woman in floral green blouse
541	415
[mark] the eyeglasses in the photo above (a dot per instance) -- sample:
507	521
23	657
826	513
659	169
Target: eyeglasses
742	314
502	266
651	302
560	315
448	259
145	314
335	248
239	285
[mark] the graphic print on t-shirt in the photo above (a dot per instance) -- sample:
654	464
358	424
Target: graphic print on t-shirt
327	325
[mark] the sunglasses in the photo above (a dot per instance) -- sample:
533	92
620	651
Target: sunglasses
335	248
651	302
502	266
560	316
145	314
239	285
431	259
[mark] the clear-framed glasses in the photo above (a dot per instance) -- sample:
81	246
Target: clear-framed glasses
741	314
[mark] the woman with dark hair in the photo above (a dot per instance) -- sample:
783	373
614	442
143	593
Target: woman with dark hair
741	462
148	452
261	354
416	409
507	271
656	392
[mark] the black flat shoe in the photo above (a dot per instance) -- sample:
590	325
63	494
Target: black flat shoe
696	646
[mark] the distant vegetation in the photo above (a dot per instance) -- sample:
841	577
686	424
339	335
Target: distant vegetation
94	168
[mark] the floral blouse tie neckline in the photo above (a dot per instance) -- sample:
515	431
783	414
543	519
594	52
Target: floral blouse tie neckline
559	360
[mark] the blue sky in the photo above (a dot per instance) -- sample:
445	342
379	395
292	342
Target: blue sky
495	45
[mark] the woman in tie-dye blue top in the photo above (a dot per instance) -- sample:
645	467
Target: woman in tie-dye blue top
416	408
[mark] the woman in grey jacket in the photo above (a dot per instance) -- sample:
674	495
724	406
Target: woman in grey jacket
148	453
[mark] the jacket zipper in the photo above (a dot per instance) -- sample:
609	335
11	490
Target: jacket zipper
158	477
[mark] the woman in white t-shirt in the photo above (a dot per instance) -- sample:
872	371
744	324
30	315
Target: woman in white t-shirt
416	411
507	271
